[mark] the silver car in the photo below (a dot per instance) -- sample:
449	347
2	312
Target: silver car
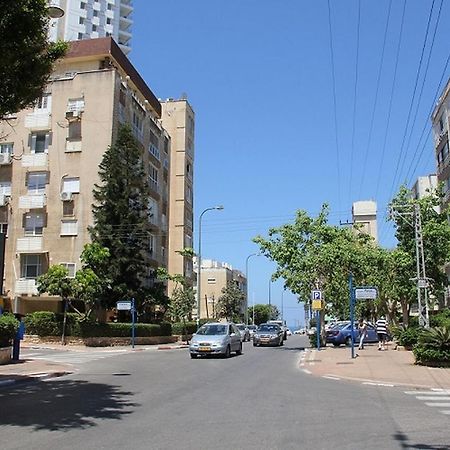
216	339
245	332
268	334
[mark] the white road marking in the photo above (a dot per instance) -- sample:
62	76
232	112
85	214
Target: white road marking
330	378
431	398
370	383
306	371
438	405
432	392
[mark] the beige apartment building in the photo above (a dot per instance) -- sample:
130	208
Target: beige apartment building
364	213
215	276
49	157
178	120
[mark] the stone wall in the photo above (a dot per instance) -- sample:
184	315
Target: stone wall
100	341
5	355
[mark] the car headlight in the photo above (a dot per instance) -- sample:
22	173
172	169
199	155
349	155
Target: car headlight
194	344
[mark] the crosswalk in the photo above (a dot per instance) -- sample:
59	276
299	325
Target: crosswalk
434	398
71	357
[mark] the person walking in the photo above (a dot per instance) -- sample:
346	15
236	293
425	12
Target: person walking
381	332
362	333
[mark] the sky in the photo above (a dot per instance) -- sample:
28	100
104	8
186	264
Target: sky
290	116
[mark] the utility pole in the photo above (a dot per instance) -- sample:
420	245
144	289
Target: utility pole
421	279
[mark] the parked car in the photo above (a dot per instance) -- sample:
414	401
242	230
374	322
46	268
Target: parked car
300	331
251	330
288	332
282	325
245	333
216	339
268	334
311	331
341	334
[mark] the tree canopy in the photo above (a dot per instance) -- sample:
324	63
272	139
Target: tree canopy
27	56
229	304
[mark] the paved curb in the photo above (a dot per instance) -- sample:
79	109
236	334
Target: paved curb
33	378
172	347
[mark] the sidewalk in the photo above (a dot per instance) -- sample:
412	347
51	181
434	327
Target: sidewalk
29	369
390	367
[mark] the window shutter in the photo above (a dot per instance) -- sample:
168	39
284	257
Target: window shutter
24	220
33	142
47	141
27	176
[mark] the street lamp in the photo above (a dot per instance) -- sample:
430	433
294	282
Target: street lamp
246	286
199	257
54	11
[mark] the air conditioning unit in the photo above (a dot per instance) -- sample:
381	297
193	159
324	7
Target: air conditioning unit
4	199
5	158
66	196
72	115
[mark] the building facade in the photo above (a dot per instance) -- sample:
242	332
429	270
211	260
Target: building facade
424	185
49	157
91	19
440	129
215	277
178	120
364	213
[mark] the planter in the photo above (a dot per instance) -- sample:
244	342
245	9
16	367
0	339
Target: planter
5	355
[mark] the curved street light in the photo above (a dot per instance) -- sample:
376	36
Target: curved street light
199	257
54	11
246	288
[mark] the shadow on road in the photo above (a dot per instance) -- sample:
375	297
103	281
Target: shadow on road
404	442
63	404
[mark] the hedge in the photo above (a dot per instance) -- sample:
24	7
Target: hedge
187	328
44	323
431	357
8	329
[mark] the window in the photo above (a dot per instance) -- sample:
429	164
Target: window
211	281
75	105
44	103
166	145
69	227
152	211
80	36
74	130
110	6
81	21
151	244
31	266
94	27
39	142
5	187
95	13
70	268
71	185
441	124
153	177
6	148
154	139
154	151
34	223
82	5
68	208
189	195
109	20
4	228
36	182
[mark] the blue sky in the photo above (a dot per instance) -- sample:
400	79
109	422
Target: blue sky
258	74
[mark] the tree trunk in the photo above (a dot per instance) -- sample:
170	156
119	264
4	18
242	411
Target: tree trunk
405	313
63	336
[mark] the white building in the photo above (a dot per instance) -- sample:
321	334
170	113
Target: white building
365	214
90	19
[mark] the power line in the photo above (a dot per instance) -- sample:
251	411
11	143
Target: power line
354	99
372	120
334	105
402	153
391	98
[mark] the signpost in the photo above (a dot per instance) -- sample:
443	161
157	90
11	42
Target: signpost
128	305
317	305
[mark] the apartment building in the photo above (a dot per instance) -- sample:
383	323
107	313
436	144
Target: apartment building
91	19
215	276
440	128
49	157
178	120
364	213
424	185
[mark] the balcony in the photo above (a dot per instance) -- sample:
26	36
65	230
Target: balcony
37	121
26	286
29	244
73	146
440	137
34	201
35	160
443	164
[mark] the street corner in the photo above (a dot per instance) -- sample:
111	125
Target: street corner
173	347
15	379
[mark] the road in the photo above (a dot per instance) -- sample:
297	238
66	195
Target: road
260	400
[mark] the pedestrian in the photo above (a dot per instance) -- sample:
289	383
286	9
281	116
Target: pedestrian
381	332
362	333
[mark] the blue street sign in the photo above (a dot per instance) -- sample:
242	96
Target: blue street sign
316	295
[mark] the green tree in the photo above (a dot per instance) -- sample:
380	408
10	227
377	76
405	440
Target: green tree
121	217
27	56
436	241
263	313
229	304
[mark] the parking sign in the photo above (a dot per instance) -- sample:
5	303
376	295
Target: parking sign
316	295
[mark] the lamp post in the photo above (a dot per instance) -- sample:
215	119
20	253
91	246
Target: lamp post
246	288
54	11
199	258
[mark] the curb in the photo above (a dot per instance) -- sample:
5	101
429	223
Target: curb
33	378
172	347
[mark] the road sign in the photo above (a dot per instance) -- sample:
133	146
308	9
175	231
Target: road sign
317	305
124	305
369	293
422	283
316	295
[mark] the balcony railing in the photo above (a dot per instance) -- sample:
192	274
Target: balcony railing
29	244
35	160
37	121
26	286
32	201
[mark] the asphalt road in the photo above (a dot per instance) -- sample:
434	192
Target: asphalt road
260	400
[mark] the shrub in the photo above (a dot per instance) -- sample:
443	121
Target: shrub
408	337
8	329
433	347
91	329
313	340
441	319
42	323
431	357
187	328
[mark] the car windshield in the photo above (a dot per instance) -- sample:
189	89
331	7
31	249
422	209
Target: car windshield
252	327
212	330
269	328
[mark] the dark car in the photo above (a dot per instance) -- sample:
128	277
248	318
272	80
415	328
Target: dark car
268	334
341	334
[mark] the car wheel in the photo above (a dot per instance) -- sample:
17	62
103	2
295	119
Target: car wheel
281	342
239	350
348	341
254	344
227	352
193	355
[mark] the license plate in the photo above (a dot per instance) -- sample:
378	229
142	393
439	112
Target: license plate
265	340
204	349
